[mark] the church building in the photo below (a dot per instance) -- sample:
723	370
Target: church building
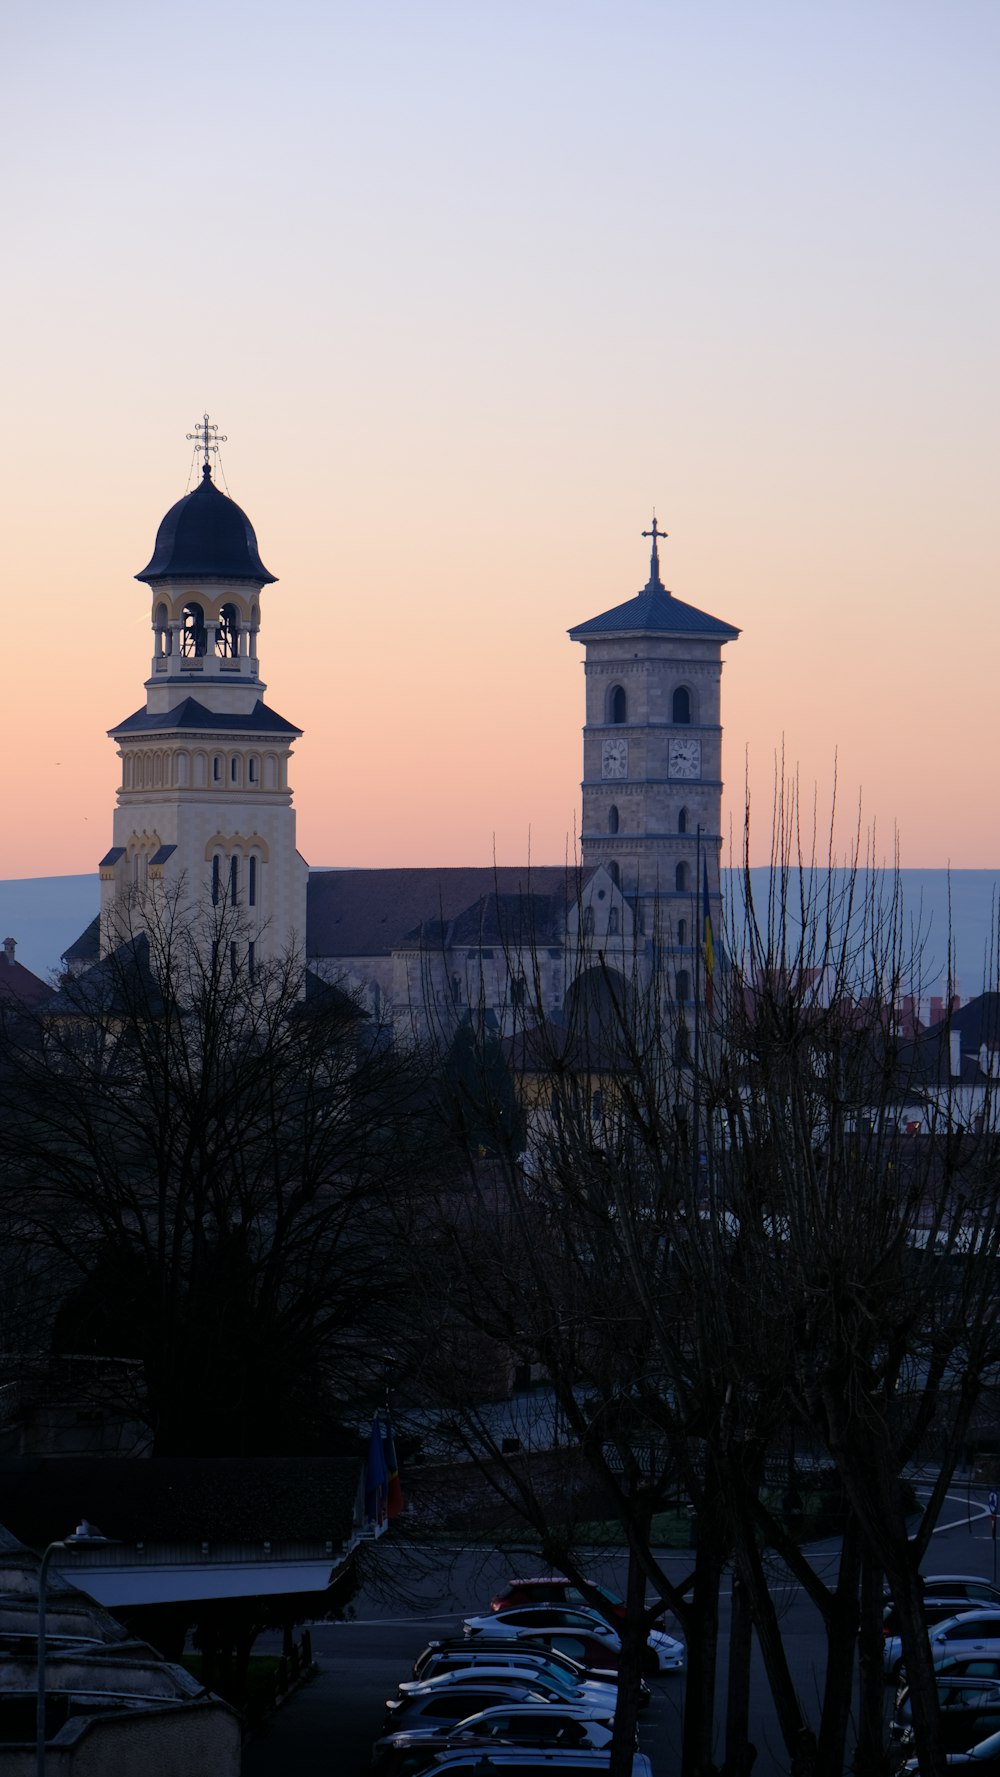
205	809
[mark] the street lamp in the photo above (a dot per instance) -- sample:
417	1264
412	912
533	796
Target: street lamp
82	1536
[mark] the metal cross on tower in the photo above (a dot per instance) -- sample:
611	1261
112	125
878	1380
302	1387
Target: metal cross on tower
654	558
208	438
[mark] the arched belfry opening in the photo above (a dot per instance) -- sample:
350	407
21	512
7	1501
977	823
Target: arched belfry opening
194	635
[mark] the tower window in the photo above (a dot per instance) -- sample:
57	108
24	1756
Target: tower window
194	636
614	923
252	770
618	705
227	634
216	770
682	704
682	931
681	877
234	881
251	959
252	883
614	871
234	771
682	821
588	922
613	818
216	879
683	985
232	959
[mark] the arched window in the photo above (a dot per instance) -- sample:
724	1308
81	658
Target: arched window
217	769
682	821
162	632
683	985
227	634
682	704
614	871
588	922
234	880
194	636
617	705
216	878
234	770
613	818
682	931
251	771
681	877
614	923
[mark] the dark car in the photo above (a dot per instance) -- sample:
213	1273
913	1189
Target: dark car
982	1760
970	1712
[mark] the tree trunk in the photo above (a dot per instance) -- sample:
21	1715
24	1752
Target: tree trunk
841	1646
869	1758
738	1682
630	1666
702	1652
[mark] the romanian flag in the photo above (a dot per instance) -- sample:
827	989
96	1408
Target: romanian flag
394	1490
708	943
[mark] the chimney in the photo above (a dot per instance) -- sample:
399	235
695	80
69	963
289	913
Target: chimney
9	947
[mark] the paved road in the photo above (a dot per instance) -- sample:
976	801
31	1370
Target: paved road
327	1728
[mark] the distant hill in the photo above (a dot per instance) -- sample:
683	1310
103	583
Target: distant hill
45	914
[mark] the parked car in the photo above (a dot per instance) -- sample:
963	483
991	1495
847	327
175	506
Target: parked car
513	1724
970	1712
515	1761
597	1642
941	1615
961	1585
519	1656
555	1588
450	1700
982	1760
536	1671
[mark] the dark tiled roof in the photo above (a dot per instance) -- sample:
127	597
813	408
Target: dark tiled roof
654	611
111	857
87	947
512	919
162	853
118	981
206	535
19	987
182	1499
193	715
372	912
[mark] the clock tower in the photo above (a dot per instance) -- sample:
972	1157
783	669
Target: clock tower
652	760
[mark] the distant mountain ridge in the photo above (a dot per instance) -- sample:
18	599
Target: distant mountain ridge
46	914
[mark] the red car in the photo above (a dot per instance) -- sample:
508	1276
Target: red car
554	1588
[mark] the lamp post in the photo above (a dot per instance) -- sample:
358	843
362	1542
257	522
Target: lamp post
83	1536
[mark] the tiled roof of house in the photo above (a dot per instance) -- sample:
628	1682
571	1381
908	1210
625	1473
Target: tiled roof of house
18	986
373	912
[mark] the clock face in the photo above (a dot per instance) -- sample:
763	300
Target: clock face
685	758
614	757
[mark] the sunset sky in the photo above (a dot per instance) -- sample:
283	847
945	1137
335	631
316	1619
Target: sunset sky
470	287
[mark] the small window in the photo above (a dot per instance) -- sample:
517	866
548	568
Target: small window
618	705
234	881
588	922
251	958
682	931
216	879
681	877
216	770
233	963
252	883
613	818
252	771
683	985
614	871
614	923
682	821
518	992
682	704
234	771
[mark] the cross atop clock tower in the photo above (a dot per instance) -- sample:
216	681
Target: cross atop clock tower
652	755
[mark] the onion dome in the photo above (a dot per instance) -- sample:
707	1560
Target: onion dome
206	535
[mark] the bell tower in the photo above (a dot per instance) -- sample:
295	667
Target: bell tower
204	806
652	760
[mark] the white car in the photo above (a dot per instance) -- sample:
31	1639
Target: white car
663	1653
964	1632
